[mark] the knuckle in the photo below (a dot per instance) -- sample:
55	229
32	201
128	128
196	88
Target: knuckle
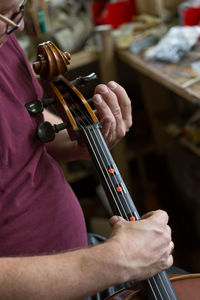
162	216
166	263
168	228
107	120
121	133
165	235
167	238
129	123
101	88
162	212
117	111
170	261
129	104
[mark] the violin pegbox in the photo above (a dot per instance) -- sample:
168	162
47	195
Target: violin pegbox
51	65
51	61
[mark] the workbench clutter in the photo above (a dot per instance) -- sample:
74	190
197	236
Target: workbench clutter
162	29
67	23
191	130
189	13
113	13
151	20
180	39
156	7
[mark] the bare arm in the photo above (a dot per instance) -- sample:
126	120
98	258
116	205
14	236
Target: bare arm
62	148
129	254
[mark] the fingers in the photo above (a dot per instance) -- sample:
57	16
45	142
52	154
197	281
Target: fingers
114	110
167	259
107	118
159	216
146	243
171	247
124	102
114	220
159	219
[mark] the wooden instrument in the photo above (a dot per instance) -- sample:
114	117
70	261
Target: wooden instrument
80	121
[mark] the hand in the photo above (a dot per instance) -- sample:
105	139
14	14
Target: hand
114	111
113	107
144	246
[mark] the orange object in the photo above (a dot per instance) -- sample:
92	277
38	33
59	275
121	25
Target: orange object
119	188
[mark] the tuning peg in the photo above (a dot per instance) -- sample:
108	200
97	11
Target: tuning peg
46	131
84	79
37	106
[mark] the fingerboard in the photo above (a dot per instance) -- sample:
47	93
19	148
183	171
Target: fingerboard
159	286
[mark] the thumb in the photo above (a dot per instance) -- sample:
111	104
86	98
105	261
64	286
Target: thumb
114	220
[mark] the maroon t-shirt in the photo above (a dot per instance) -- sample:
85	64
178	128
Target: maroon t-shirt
39	212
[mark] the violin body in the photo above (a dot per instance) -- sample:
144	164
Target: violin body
80	121
186	287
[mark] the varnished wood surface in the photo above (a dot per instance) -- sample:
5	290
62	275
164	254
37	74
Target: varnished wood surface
83	58
165	74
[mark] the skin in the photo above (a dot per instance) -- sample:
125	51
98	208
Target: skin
114	112
134	251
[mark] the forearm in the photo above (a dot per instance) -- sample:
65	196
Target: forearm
129	254
73	275
62	148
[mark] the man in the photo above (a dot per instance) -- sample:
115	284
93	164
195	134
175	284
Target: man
43	242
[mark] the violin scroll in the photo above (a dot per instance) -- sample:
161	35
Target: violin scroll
51	61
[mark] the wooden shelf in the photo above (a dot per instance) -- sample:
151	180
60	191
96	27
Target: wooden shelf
167	121
82	58
165	74
189	145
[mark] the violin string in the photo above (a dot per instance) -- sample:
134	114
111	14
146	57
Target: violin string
97	150
90	123
67	96
100	165
88	119
85	125
97	160
148	280
102	172
105	156
110	183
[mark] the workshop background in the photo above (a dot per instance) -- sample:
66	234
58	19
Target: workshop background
151	47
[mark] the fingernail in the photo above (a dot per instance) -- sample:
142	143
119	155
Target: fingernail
103	89
112	85
97	99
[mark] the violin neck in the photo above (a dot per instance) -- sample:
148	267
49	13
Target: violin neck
117	194
159	286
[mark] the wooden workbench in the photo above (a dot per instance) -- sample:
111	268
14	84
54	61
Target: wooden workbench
157	80
169	75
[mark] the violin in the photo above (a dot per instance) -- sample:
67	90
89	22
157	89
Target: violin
82	123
